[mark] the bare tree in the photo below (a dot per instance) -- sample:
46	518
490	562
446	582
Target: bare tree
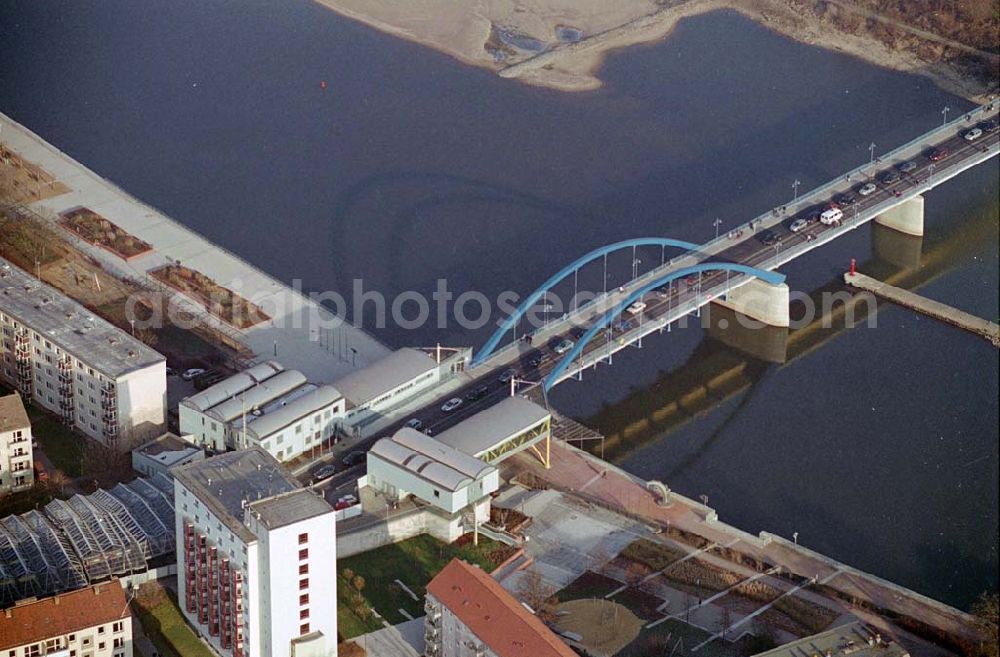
534	592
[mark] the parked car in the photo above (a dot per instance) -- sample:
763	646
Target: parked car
636	308
507	375
867	189
208	379
907	167
477	393
767	237
344	502
973	135
414	423
191	373
171	372
937	154
889	177
451	404
324	472
41	474
353	458
798	225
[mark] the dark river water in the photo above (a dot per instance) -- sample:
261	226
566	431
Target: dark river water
879	447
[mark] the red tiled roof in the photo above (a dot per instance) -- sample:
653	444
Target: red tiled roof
493	615
36	621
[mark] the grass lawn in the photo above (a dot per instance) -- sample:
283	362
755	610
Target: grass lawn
165	626
414	562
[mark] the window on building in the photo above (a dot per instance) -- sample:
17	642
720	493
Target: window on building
303	538
304	628
303	583
101	645
304	599
303	554
303	614
304	569
119	642
118	627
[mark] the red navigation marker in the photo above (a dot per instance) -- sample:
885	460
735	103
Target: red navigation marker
322	84
853	265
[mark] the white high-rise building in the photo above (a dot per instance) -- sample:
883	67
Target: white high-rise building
256	557
98	378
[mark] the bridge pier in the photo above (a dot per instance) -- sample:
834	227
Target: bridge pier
760	301
907	217
898	249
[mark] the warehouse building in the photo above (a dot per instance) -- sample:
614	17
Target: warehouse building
265	406
96	377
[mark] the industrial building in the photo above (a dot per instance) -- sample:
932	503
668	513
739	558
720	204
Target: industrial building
502	430
265	406
411	463
164	452
71	543
373	392
89	622
856	639
97	378
256	557
470	615
16	472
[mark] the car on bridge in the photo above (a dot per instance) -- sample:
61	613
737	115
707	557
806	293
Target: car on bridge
636	308
973	135
767	237
831	217
451	404
907	167
889	177
867	189
414	423
535	360
990	126
798	225
564	346
844	199
937	154
507	375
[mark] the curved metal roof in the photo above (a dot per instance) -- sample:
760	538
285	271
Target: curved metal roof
278	419
257	395
234	385
435	449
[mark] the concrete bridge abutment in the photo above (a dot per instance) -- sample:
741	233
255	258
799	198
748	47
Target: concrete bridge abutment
898	249
760	301
907	217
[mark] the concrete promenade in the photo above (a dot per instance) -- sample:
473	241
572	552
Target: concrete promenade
292	334
600	483
929	307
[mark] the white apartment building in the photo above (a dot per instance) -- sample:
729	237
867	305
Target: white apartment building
99	379
89	622
256	558
16	472
265	406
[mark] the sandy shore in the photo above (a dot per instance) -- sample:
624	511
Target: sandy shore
521	39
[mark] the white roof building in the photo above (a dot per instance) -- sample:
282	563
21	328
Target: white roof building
502	430
164	452
266	406
411	463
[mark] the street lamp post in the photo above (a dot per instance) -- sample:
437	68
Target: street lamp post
635	267
795	189
944	113
717	223
795	537
871	150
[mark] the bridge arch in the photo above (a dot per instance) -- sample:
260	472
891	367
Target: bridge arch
563	274
772	277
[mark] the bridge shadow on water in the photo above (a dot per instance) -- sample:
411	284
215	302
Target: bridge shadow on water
718	373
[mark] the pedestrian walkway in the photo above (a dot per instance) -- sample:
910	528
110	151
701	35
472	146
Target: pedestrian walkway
293	335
